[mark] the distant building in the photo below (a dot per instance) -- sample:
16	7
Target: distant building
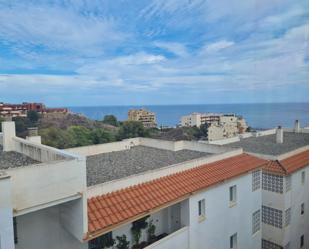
146	117
220	125
20	110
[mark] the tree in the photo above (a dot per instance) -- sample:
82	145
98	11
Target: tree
1	120
33	116
55	137
122	242
79	136
130	129
204	130
111	120
100	136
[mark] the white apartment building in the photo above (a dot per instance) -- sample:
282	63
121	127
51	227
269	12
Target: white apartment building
220	125
190	194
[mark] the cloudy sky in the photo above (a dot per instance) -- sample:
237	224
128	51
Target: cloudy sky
121	52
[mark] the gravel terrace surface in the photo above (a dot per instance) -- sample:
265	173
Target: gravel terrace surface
267	144
14	159
114	165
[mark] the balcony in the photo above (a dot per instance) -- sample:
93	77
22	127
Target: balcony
177	239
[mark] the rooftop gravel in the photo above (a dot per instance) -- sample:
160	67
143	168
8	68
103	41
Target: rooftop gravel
14	159
267	144
114	165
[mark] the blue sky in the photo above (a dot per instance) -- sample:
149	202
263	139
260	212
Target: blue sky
120	52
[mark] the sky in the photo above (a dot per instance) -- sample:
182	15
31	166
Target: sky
120	52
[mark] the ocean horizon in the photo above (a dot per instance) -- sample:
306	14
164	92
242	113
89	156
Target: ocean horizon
257	115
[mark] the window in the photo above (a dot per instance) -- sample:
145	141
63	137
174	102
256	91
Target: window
287	217
288	183
269	245
303	176
201	208
272	216
302	241
233	241
15	230
256	180
302	208
233	194
273	183
103	241
256	221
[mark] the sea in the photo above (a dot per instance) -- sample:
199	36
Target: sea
258	116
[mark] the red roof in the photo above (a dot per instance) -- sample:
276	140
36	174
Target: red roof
125	205
288	165
296	162
275	167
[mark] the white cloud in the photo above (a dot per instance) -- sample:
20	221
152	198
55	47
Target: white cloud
56	28
216	46
173	47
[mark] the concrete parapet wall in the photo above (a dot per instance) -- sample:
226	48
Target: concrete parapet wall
209	148
104	148
264	133
225	141
40	152
154	174
162	144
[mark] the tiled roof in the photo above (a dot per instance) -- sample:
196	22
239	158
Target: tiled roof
115	208
288	165
296	162
274	167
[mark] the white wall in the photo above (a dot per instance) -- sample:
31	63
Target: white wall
222	221
105	148
178	239
36	185
6	214
299	223
43	230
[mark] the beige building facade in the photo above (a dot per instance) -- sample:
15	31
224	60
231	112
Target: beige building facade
148	118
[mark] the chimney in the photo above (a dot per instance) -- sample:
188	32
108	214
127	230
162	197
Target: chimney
8	129
297	126
33	135
279	135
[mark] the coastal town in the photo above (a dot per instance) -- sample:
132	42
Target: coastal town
218	126
150	193
143	192
154	124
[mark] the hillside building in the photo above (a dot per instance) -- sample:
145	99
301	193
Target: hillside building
20	110
195	194
147	118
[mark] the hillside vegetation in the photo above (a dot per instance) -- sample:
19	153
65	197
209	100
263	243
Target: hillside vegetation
73	130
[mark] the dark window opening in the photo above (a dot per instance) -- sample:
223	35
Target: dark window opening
15	230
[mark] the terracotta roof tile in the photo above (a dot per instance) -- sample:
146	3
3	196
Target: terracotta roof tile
288	165
296	162
113	208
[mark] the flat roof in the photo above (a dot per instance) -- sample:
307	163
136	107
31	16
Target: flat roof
118	164
14	159
267	144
